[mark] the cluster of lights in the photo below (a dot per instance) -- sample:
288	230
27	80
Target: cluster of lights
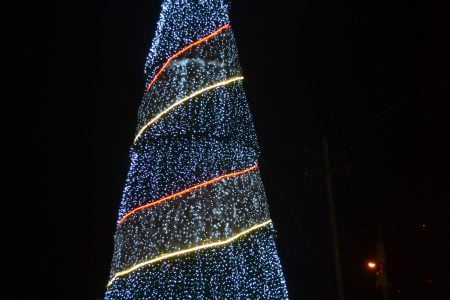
185	191
181	23
185	49
188	250
194	221
181	101
197	141
247	268
216	211
191	71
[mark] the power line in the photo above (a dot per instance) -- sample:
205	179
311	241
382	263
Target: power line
391	111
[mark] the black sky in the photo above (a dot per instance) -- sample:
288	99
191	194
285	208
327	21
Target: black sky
371	76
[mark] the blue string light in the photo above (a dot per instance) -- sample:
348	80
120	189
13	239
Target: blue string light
196	139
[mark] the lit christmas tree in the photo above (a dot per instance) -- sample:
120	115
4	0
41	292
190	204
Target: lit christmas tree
194	221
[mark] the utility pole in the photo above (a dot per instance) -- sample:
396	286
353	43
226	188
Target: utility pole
327	175
382	280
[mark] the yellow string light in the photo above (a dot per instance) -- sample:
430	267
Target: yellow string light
181	252
161	114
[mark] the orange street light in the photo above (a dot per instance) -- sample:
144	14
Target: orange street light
372	265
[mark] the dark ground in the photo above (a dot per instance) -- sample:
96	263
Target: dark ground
371	76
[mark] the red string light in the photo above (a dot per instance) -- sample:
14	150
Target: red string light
209	36
190	189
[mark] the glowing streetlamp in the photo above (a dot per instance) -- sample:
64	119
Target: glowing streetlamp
372	265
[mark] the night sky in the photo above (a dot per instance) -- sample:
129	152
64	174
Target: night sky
373	77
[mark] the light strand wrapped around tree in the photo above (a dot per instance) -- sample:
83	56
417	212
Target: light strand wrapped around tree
194	221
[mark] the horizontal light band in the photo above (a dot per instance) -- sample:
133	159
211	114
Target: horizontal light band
190	189
158	116
189	250
204	39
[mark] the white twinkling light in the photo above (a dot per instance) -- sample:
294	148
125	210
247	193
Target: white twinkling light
193	219
189	249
